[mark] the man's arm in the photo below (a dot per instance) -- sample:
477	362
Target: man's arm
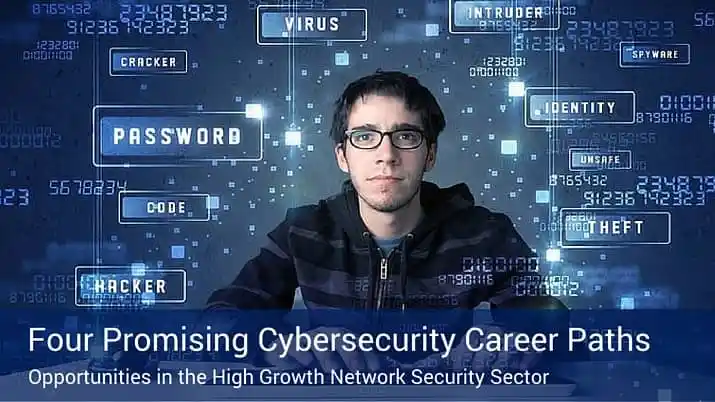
267	281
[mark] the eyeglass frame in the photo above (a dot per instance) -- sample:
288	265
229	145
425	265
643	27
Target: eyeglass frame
383	134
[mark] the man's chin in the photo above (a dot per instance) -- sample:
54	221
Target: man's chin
386	205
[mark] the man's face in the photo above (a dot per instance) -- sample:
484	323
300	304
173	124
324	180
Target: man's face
386	178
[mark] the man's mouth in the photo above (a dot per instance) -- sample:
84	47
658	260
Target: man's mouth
384	178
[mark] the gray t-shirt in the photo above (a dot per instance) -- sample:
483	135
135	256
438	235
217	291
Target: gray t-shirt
387	245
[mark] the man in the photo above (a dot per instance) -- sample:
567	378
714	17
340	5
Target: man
389	240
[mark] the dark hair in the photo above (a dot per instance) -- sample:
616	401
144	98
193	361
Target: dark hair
417	98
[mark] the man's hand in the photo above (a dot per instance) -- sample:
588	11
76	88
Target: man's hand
462	358
328	360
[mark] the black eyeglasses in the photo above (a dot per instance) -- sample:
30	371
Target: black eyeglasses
405	139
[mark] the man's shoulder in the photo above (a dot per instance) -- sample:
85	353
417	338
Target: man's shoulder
310	216
477	216
479	228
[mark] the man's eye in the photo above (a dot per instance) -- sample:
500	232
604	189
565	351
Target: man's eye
364	136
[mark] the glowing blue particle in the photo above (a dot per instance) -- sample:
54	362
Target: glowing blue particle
516	89
254	111
138	269
627	303
543	196
148	298
508	147
293	138
213	202
178	252
431	30
342	59
553	255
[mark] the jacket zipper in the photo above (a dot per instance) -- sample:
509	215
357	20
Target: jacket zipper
382	279
381	282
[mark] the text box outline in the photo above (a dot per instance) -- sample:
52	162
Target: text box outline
620	53
453	32
624	244
627	151
160	192
307	7
186	64
571	123
96	108
77	279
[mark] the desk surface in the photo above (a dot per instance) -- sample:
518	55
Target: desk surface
597	381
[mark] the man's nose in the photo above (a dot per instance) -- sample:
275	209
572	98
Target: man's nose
387	152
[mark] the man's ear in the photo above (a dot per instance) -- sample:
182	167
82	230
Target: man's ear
431	157
340	158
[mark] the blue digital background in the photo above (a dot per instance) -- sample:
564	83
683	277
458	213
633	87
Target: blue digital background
58	211
46	129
